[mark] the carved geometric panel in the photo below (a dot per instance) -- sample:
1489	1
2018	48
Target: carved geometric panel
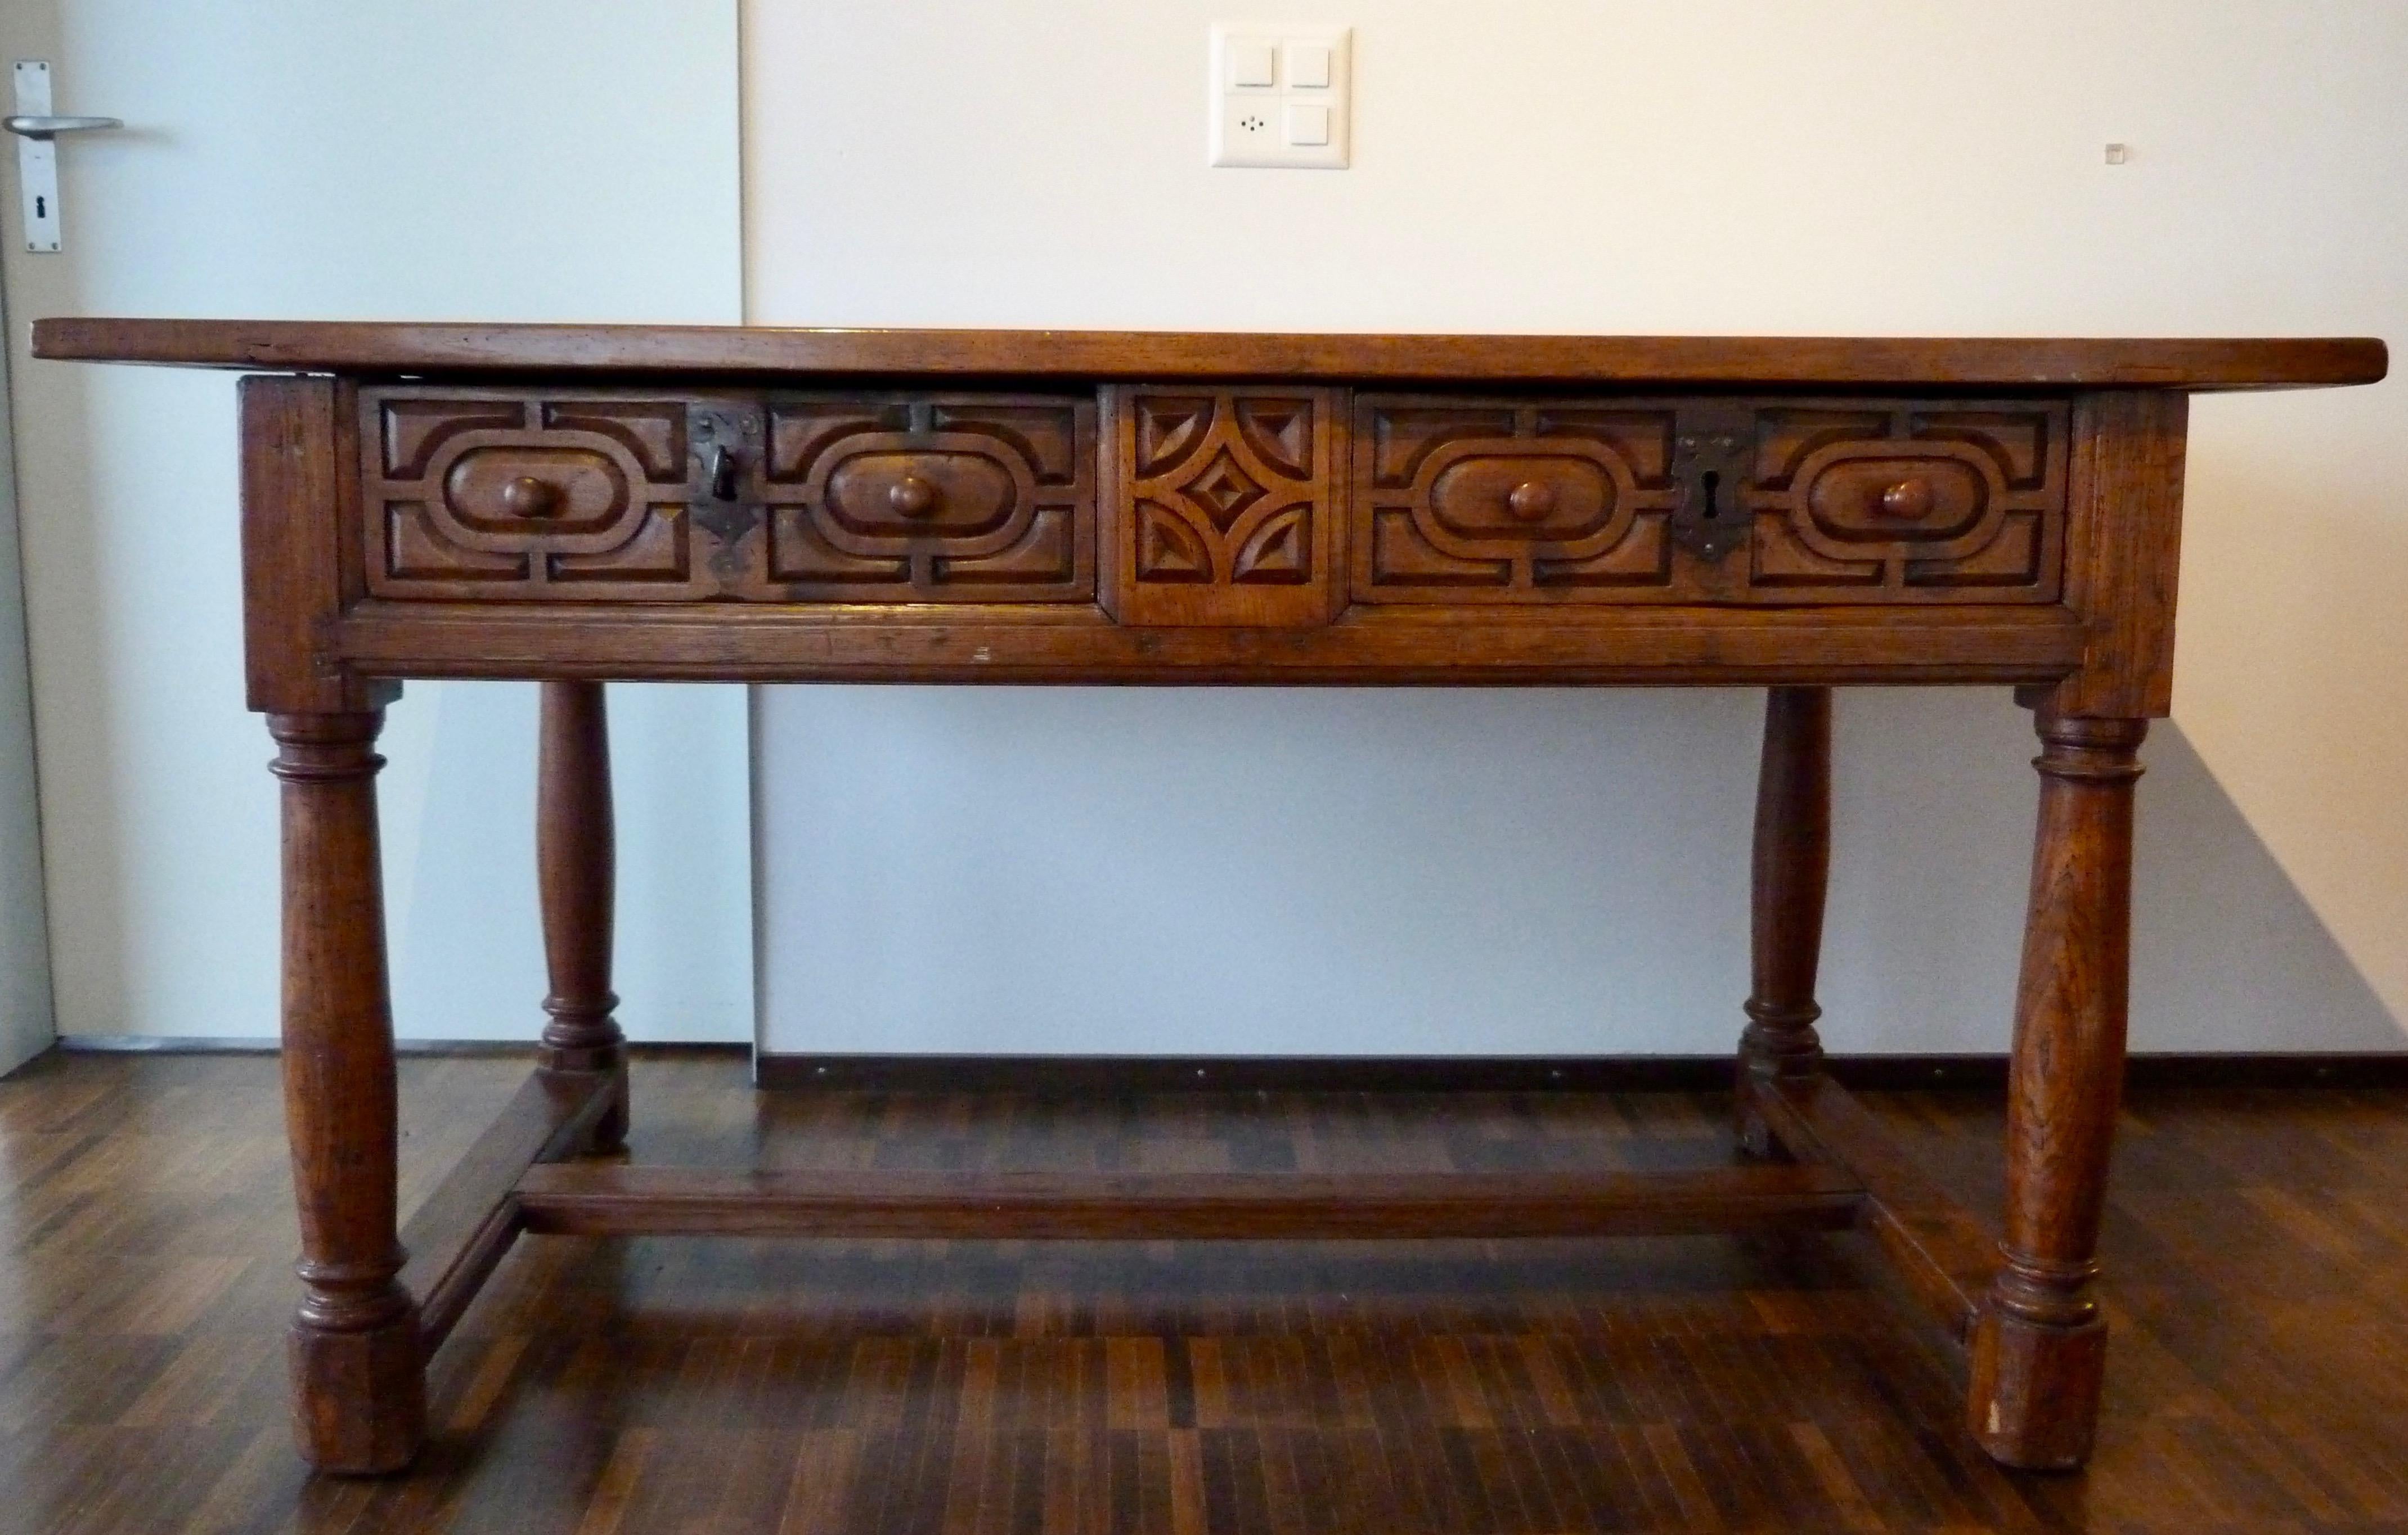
1889	502
1517	501
930	498
1225	507
529	496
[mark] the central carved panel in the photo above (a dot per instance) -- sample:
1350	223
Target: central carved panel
1224	509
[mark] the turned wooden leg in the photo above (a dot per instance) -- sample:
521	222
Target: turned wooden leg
577	859
2040	1345
359	1396
1793	860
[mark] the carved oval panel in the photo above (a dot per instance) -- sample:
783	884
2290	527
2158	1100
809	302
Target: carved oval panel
531	492
1895	498
588	490
1552	498
517	492
892	495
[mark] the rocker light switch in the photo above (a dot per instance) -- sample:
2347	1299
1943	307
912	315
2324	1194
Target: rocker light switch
1252	62
1280	95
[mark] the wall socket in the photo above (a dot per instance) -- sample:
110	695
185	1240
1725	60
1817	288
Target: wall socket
1281	95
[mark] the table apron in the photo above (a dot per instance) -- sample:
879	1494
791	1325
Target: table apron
1687	646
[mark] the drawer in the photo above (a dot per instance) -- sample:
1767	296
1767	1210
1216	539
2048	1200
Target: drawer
532	495
1626	500
930	498
1909	501
517	494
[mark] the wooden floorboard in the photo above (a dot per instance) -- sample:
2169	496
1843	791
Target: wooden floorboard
2256	1279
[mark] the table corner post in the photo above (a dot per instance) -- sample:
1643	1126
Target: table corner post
358	1376
2039	1344
1790	872
577	864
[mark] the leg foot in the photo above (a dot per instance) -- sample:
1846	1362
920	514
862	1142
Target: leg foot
359	1395
2037	1379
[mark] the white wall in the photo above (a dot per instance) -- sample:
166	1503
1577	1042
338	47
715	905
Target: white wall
962	871
24	940
438	159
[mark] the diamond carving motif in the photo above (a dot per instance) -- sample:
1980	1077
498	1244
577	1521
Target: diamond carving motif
1226	506
1223	492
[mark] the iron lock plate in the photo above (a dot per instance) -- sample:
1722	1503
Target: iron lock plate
1713	459
723	469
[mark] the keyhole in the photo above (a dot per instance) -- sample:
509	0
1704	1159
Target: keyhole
41	207
1711	483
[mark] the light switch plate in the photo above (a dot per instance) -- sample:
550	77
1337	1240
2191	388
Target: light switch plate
1252	124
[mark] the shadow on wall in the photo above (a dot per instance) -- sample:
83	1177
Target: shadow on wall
2227	955
1932	817
1558	872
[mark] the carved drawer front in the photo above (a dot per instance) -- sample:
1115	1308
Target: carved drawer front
930	498
1226	506
1707	501
1917	501
1513	500
523	494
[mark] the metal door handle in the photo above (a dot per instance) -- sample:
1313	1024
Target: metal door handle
48	127
38	130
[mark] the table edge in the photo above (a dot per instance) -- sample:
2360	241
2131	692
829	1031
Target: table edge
372	348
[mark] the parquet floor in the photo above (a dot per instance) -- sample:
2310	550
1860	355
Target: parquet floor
2257	1252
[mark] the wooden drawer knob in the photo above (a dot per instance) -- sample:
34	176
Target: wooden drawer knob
1907	501
527	496
1530	501
912	496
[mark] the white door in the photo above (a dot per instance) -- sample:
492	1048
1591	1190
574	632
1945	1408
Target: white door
24	949
549	160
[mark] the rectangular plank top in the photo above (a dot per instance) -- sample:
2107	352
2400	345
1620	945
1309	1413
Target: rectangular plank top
1779	361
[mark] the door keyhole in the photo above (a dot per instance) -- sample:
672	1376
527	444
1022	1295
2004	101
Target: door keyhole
1711	483
41	207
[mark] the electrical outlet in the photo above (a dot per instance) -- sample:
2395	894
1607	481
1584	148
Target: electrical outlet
1280	95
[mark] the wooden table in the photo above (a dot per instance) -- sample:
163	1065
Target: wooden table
573	503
